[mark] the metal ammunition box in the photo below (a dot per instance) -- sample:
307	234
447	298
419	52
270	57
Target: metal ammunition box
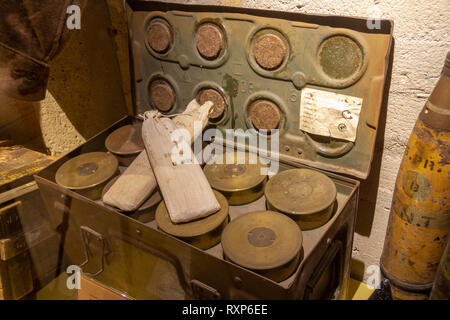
143	262
44	250
15	268
28	260
28	245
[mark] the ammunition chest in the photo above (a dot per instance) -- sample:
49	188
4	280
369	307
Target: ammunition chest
29	247
143	262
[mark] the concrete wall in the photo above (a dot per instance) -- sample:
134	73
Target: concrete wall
422	35
85	92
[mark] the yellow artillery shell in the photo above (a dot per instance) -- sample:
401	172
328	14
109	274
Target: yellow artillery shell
420	216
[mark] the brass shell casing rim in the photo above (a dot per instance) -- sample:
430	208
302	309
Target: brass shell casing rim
232	190
413	287
277	274
269	266
320	218
94	192
125	154
240	197
316	210
118	152
171	228
89	186
100	182
257	180
207	240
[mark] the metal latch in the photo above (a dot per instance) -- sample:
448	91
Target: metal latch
10	220
333	258
202	291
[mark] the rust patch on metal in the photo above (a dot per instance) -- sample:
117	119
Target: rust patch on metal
231	85
209	40
419	223
340	57
264	114
162	95
216	98
159	36
416	185
445	157
269	51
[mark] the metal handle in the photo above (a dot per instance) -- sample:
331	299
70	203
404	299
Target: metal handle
324	263
173	260
328	150
18	192
84	236
10	222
